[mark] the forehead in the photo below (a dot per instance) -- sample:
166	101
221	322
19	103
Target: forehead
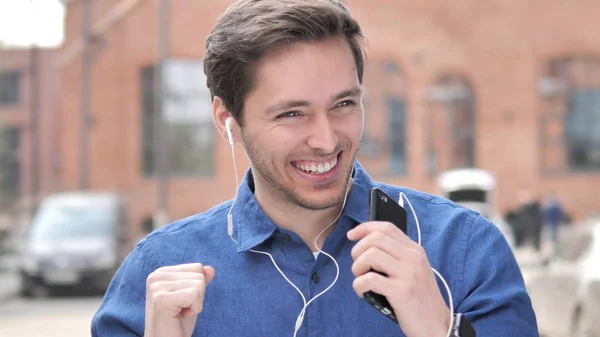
311	71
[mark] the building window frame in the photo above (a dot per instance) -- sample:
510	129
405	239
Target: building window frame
188	126
10	164
10	88
385	143
453	96
397	135
569	120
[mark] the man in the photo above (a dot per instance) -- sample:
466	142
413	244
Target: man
554	215
290	74
529	218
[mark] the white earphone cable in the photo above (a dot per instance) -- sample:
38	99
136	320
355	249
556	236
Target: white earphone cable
337	267
300	318
237	183
401	202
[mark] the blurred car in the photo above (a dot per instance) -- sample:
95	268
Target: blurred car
474	189
74	240
565	290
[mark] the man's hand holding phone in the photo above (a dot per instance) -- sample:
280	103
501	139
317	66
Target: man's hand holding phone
174	298
409	284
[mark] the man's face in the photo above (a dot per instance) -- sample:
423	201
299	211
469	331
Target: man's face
304	121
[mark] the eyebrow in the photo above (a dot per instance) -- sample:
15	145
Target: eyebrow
286	105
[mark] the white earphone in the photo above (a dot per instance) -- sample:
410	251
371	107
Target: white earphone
228	126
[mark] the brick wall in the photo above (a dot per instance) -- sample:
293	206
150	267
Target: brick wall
19	116
498	47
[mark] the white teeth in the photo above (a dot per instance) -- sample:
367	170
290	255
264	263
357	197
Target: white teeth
320	168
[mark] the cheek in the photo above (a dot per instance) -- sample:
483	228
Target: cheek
278	147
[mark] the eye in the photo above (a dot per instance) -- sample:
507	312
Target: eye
294	113
346	103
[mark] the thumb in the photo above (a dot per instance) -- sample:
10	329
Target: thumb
209	273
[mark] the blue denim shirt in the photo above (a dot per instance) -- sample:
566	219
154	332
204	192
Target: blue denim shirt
249	297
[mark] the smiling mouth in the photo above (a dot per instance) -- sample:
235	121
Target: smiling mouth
316	167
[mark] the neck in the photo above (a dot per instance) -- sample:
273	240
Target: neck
308	224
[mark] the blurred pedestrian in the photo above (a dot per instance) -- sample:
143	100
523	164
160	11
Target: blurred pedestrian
553	215
528	219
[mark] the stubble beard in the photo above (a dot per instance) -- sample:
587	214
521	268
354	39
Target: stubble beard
267	172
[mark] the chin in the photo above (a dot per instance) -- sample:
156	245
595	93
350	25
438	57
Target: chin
320	191
318	203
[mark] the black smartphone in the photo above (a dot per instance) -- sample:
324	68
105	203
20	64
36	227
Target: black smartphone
384	208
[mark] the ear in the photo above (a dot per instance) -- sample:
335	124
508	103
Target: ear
220	115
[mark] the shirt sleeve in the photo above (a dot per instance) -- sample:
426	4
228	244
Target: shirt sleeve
121	313
495	298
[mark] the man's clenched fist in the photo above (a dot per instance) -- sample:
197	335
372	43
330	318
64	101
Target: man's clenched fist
174	298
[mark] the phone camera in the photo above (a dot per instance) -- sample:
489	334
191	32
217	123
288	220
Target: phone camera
384	199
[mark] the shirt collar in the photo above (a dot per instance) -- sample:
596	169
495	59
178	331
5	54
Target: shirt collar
252	226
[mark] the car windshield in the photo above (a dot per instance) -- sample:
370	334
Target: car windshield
468	195
72	222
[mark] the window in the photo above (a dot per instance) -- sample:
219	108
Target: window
10	85
188	132
450	124
147	78
384	146
10	167
61	222
570	118
397	135
468	195
582	128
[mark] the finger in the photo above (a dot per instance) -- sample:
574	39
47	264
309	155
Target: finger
176	301
170	286
375	258
187	267
209	274
372	282
388	228
382	241
162	276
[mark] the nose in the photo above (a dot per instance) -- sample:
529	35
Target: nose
322	135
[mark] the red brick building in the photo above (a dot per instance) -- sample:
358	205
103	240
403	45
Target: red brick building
29	92
508	86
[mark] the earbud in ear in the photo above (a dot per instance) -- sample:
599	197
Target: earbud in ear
229	128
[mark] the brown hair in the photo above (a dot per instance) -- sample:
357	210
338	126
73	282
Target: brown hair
249	28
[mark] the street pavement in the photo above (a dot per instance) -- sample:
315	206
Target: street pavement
64	316
61	315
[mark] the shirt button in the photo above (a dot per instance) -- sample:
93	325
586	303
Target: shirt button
315	277
287	238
